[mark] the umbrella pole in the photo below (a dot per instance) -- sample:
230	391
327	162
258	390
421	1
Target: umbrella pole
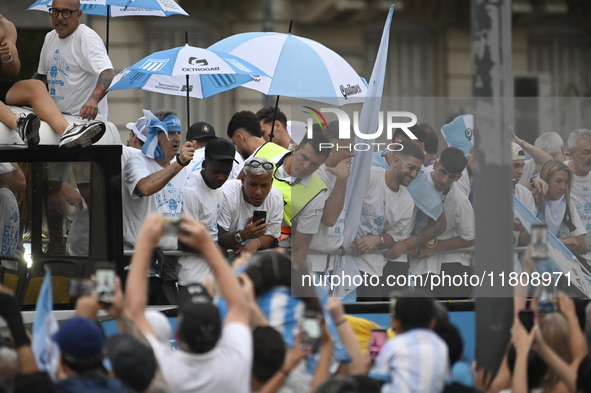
188	110
271	135
108	20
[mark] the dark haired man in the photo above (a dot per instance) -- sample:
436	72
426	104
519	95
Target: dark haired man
244	130
416	360
281	136
386	215
459	232
202	200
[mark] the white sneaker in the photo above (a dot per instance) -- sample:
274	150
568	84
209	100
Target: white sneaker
79	136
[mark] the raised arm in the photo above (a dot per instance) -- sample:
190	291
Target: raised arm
336	201
197	236
155	182
539	156
11	63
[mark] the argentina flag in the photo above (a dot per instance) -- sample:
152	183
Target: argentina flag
45	326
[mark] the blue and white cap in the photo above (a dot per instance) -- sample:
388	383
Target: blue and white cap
460	133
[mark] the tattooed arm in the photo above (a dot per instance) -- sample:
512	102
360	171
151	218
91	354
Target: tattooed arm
431	231
90	109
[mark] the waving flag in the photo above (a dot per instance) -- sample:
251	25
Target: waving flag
357	185
44	327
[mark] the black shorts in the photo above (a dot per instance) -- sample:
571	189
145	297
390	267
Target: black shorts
4	87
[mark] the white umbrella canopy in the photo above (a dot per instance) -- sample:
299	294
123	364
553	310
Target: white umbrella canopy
297	66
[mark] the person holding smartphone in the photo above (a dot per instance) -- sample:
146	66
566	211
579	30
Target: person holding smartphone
251	214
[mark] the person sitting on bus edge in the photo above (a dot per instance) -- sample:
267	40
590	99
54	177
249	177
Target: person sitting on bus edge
281	136
34	93
202	200
153	184
254	192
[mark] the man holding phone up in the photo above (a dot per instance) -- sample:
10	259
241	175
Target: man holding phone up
250	218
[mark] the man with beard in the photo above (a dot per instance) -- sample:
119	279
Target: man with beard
202	200
579	147
386	215
255	192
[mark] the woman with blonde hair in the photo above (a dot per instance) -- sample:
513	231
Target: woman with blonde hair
555	207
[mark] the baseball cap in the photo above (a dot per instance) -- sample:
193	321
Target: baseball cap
199	323
132	361
80	337
460	133
517	152
200	130
220	149
139	128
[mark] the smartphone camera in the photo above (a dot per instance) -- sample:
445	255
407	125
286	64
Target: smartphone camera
311	331
527	319
377	340
171	226
258	214
538	247
105	283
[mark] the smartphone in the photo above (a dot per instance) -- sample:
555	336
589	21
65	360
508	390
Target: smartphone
377	340
311	330
258	214
105	283
538	246
527	319
171	226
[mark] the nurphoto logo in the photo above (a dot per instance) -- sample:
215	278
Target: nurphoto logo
392	120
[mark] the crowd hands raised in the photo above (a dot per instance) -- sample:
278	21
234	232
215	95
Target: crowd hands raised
227	341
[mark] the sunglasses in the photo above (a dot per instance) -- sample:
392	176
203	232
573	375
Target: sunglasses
256	164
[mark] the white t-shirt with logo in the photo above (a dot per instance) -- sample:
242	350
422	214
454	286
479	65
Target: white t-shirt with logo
226	368
383	211
460	222
203	204
9	227
236	211
168	201
328	238
72	66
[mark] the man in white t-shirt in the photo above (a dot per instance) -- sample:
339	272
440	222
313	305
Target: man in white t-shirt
12	181
242	198
213	356
74	64
334	173
202	200
579	147
152	184
200	134
386	215
460	230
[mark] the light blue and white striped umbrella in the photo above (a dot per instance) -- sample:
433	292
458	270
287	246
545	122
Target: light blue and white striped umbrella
298	67
117	8
210	72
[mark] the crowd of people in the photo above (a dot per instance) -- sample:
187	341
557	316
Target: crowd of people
224	200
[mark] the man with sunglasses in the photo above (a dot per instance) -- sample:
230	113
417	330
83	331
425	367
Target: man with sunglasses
386	215
254	192
74	64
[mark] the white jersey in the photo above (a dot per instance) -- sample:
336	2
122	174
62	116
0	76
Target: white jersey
383	211
236	211
72	66
580	194
328	238
168	201
203	204
459	216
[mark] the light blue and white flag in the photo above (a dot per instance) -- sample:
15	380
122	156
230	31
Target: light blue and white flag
45	326
561	256
357	184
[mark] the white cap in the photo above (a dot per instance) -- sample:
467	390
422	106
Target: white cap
139	128
160	325
6	167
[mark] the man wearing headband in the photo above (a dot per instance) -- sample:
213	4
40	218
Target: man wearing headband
152	184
